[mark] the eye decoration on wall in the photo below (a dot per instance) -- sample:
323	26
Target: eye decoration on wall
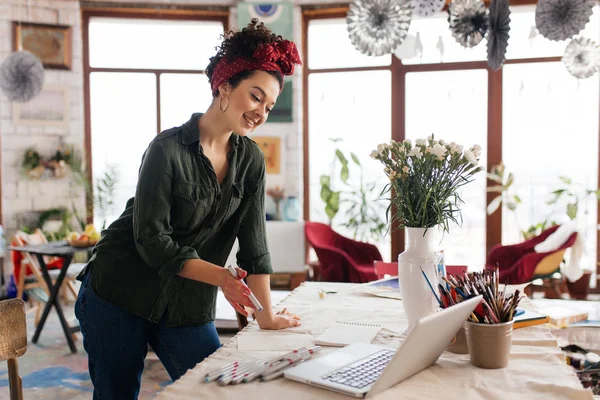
498	33
562	19
21	76
426	8
582	57
469	21
378	27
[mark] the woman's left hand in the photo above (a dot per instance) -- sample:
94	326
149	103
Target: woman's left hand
281	320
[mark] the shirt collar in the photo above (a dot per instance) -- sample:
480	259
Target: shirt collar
191	133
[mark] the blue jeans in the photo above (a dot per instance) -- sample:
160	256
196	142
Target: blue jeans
117	342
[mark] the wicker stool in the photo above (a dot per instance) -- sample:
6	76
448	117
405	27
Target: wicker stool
13	341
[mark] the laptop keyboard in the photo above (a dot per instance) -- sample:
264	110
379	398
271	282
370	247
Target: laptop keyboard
363	372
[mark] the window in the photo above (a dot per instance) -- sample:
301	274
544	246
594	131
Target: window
354	106
320	54
550	130
549	120
145	76
436	103
360	115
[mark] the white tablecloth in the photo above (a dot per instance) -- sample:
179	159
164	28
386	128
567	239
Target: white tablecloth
537	368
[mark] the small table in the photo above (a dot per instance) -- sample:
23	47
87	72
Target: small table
64	251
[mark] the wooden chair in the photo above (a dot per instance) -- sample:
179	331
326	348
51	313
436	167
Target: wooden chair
13	342
38	237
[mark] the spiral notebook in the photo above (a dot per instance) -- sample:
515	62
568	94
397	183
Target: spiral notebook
345	333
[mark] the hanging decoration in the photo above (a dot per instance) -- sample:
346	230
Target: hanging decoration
582	57
469	21
562	19
21	76
426	8
378	27
498	33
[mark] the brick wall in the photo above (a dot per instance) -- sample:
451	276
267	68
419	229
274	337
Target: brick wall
19	194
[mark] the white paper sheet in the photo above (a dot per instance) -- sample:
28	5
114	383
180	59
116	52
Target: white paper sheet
262	341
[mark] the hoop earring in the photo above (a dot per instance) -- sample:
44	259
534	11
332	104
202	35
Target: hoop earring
221	105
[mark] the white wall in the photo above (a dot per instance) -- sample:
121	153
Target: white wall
20	194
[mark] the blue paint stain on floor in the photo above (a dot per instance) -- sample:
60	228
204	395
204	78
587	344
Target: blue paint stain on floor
53	377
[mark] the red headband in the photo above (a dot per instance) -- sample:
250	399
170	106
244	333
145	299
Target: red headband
277	56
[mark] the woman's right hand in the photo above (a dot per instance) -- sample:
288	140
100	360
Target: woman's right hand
236	292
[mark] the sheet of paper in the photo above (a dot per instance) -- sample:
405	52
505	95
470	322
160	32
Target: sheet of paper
257	341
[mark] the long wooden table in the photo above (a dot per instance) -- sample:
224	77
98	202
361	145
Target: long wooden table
537	368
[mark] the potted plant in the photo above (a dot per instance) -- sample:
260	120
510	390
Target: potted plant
425	182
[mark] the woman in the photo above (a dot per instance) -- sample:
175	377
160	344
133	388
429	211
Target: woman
154	275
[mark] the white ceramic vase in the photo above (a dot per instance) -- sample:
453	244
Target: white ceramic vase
421	254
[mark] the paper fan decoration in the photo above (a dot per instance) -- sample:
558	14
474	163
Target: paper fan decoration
469	21
562	19
425	8
582	57
498	33
378	27
21	76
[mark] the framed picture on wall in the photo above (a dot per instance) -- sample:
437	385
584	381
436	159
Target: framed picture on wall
49	108
271	147
50	43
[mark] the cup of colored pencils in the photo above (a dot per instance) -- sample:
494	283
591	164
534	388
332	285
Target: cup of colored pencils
488	331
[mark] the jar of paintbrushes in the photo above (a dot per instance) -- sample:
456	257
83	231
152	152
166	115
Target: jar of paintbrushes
489	328
488	331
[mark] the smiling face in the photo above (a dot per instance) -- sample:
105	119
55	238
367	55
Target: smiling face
250	102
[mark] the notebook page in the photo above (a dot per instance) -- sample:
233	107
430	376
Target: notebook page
257	341
344	333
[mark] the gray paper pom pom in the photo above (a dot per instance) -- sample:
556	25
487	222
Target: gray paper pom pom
468	21
425	8
378	27
21	76
562	19
498	33
582	57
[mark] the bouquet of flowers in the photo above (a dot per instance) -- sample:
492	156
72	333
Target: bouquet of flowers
425	178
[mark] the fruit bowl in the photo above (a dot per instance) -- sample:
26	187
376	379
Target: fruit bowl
81	242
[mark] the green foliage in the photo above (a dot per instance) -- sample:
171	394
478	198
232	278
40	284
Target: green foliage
104	193
425	180
361	211
572	193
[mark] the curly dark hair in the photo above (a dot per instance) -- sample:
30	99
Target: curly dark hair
242	44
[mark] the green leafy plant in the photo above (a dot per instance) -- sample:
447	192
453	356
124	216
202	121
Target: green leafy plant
105	192
356	199
574	194
331	197
504	188
425	180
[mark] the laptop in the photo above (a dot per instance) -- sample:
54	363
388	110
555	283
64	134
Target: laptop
364	369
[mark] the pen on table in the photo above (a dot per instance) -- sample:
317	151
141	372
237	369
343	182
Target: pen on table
283	362
214	375
275	375
228	377
295	359
253	299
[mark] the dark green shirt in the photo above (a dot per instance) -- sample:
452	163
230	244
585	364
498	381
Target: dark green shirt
181	212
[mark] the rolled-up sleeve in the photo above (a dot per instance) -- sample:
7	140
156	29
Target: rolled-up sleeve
151	216
253	254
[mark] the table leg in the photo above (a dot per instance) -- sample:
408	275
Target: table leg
53	300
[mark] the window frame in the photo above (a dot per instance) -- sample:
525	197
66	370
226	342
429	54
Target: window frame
398	73
218	14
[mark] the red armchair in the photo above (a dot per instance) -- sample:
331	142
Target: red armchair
341	259
519	263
